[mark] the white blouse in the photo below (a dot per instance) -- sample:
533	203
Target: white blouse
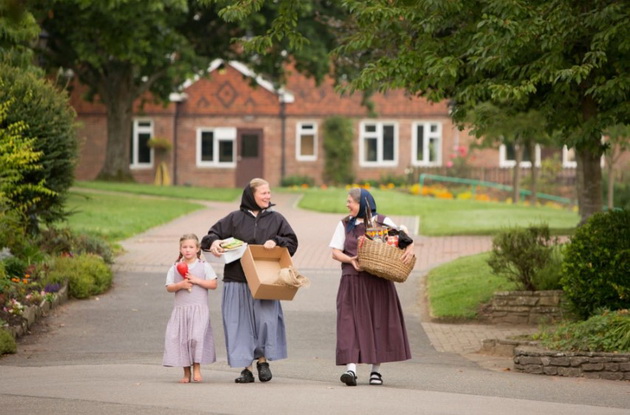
208	273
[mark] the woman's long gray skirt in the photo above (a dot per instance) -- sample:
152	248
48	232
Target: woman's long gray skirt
253	328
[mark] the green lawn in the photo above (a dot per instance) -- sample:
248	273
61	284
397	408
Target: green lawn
447	217
456	289
219	194
115	217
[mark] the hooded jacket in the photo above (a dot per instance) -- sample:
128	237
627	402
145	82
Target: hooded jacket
244	225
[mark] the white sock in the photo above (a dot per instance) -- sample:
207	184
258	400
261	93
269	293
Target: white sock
352	366
376	368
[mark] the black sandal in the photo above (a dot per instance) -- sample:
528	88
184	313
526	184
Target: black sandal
246	377
349	378
376	378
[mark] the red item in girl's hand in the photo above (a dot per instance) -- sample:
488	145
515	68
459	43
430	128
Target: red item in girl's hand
182	268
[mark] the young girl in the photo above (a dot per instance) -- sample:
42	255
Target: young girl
189	340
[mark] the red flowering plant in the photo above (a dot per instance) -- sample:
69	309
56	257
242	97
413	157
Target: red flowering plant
458	162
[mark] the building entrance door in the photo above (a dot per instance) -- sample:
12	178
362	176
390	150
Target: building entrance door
249	163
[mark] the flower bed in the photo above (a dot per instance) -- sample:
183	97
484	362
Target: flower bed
17	317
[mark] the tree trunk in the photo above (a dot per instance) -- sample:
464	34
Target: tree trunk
579	183
611	186
590	192
533	173
117	93
516	180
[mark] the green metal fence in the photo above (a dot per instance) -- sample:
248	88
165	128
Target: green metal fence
480	183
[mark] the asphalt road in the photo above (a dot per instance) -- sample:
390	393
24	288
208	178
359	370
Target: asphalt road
103	355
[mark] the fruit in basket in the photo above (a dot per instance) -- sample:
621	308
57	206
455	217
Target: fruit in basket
231	243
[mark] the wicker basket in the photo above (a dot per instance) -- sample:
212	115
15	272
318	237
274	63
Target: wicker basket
383	260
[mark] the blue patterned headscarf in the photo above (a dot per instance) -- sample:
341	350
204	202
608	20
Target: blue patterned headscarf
366	201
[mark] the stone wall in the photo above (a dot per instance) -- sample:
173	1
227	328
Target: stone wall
593	365
525	307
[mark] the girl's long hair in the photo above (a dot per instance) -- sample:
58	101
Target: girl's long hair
186	237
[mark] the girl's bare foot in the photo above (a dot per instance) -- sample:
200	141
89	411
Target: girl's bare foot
186	378
197	373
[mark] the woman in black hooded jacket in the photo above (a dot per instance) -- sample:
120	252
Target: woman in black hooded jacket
254	329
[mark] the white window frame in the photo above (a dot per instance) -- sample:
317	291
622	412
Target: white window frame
505	162
378	135
138	129
219	134
568	158
429	136
300	131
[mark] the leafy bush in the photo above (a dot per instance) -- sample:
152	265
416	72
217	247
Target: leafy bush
7	342
338	139
88	244
603	332
520	254
597	264
86	274
14	267
57	241
17	158
549	276
47	119
297	181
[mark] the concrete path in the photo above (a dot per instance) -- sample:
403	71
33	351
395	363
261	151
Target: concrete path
103	355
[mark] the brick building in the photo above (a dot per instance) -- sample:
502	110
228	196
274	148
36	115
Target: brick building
226	129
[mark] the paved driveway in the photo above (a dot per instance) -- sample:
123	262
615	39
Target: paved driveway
103	355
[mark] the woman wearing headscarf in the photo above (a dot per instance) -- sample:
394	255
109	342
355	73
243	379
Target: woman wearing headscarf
254	329
370	323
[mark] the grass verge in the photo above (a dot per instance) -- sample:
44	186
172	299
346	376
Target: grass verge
441	217
115	217
456	290
218	194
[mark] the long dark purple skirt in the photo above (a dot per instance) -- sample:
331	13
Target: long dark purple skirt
370	323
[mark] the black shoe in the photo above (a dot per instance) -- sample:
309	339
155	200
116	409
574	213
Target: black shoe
246	377
349	378
264	373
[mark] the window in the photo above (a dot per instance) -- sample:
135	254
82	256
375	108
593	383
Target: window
427	144
378	145
568	157
140	153
216	147
306	141
507	156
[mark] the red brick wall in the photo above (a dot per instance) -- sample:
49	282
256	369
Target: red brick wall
225	98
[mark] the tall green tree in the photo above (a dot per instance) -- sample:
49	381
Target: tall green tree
18	32
507	125
125	49
568	59
120	50
35	191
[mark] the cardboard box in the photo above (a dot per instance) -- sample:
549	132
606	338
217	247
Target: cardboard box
226	257
262	267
